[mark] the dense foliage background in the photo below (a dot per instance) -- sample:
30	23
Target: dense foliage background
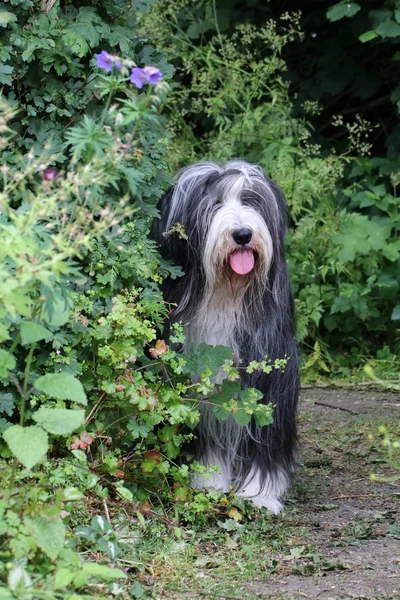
91	402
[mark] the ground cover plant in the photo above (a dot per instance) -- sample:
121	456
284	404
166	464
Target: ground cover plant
93	492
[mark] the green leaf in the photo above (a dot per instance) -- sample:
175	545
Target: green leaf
124	493
18	580
7	363
203	357
229	390
63	578
7	403
4	335
56	311
241	417
32	332
396	313
28	444
62	386
341	10
48	535
6	17
5	74
263	415
368	35
103	572
108	546
59	421
388	29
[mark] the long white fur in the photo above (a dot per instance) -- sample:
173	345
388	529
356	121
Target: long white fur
221	311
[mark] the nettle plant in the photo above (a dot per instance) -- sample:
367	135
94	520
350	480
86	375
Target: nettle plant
93	403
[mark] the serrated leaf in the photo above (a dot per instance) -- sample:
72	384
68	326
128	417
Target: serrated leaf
6	17
388	29
48	535
7	404
4	335
33	332
263	415
62	386
7	363
341	10
72	493
103	572
229	390
59	421
5	74
28	444
241	417
203	357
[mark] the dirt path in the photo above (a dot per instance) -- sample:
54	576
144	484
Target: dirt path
353	522
339	537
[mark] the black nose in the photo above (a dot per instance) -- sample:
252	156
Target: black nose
242	236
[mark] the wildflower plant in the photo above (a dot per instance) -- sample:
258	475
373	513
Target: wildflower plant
92	400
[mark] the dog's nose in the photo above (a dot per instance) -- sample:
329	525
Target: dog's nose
242	236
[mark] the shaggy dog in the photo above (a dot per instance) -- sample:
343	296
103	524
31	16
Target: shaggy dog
236	292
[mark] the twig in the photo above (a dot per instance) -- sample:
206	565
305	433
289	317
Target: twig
106	510
353	412
95	407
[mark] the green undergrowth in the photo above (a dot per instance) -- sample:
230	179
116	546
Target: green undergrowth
234	551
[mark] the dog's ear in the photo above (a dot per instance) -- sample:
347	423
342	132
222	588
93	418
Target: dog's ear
159	224
172	245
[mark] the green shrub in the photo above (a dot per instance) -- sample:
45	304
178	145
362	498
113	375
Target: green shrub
235	99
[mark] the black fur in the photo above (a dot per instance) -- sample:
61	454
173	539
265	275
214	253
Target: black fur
268	311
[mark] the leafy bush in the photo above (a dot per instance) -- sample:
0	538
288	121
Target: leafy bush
81	311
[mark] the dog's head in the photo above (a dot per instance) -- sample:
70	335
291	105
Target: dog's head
234	222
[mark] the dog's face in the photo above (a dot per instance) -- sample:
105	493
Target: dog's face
234	219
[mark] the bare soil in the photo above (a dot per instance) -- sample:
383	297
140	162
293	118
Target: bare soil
353	521
339	537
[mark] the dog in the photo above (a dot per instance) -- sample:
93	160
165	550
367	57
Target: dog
235	292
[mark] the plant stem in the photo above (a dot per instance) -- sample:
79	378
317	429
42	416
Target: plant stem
25	386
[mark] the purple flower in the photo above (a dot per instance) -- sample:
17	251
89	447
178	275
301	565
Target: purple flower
106	61
50	174
146	75
138	77
153	75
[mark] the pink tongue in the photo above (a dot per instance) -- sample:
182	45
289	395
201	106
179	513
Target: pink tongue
242	261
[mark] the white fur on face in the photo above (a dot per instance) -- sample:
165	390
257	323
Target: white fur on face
233	215
222	308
